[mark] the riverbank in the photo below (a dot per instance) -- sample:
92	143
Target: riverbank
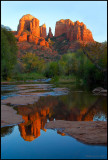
29	94
94	133
25	94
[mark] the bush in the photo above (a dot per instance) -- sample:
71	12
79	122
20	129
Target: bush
52	69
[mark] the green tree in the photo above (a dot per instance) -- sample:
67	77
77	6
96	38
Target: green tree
32	63
52	69
8	53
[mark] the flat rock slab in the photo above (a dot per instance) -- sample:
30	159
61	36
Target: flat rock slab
30	98
88	132
20	100
9	116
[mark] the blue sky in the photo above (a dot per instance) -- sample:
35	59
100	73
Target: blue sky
92	13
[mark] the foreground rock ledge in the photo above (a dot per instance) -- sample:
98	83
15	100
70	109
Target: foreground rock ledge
9	116
20	100
94	133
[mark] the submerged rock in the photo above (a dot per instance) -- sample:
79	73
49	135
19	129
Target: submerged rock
100	91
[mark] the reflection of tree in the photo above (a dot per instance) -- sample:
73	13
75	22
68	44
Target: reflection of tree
6	131
92	110
76	107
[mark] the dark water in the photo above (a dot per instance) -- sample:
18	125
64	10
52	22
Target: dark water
31	140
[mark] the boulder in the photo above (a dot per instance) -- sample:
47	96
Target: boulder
100	91
97	90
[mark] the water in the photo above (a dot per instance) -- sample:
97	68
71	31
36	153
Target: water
31	140
49	145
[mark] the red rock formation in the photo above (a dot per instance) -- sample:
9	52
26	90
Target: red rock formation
36	40
23	37
24	23
34	27
30	38
42	42
73	30
29	30
43	31
50	35
30	24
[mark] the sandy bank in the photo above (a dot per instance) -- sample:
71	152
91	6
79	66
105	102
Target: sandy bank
87	132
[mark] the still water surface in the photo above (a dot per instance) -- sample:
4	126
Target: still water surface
31	140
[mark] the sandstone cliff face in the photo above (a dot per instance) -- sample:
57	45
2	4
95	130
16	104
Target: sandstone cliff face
34	27
73	30
29	30
43	31
50	35
24	23
68	35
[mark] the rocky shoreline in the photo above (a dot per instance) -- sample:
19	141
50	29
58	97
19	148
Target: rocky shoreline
27	94
88	132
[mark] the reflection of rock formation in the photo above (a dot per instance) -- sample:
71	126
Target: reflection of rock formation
30	129
61	133
86	113
36	115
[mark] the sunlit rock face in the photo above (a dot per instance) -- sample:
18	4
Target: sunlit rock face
68	35
34	27
29	30
73	30
24	23
43	31
23	37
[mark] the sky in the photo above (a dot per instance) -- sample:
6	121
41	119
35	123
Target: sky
92	13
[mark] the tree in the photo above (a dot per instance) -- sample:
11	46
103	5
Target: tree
8	53
32	63
97	53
